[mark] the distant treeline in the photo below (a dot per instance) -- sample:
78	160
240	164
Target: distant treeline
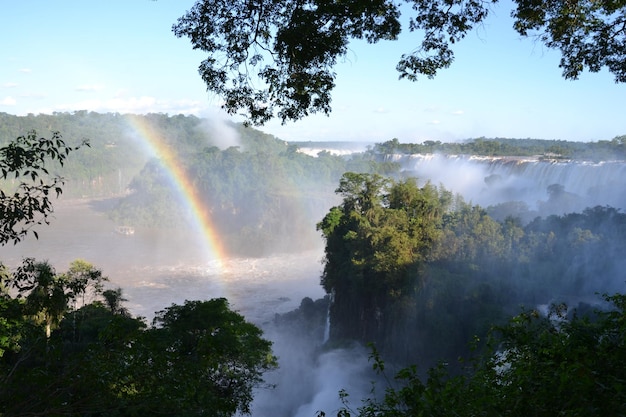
117	153
552	149
102	170
258	189
262	194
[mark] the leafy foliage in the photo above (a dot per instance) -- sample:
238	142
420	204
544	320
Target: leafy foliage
200	358
257	192
419	272
589	34
26	159
375	243
539	365
48	295
211	359
302	41
275	58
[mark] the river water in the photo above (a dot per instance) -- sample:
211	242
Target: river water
157	268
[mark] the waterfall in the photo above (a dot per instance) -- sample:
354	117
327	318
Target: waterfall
327	327
495	180
331	298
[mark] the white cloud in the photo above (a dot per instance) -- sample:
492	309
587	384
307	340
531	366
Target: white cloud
458	112
136	105
26	70
434	122
121	93
8	101
381	110
9	85
90	87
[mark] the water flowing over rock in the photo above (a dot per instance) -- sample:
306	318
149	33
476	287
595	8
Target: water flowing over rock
548	186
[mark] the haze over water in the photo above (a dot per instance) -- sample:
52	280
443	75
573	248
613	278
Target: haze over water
156	268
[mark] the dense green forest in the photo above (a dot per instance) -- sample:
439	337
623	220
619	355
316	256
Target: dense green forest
419	272
68	347
496	318
257	192
256	187
535	365
412	269
104	169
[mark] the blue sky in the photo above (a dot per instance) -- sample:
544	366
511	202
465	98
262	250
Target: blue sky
121	56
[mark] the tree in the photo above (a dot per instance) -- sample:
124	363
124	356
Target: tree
34	302
376	243
113	300
27	159
538	365
197	359
200	359
272	58
48	295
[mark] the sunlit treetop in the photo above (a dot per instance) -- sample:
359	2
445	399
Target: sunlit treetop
276	58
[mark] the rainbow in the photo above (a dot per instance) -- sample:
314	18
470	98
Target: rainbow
157	145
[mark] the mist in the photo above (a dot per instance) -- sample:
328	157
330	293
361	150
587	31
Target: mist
159	266
309	378
157	269
219	132
545	187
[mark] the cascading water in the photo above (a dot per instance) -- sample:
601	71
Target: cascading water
495	180
327	326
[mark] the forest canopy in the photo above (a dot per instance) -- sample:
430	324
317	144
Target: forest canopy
418	271
536	365
68	347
